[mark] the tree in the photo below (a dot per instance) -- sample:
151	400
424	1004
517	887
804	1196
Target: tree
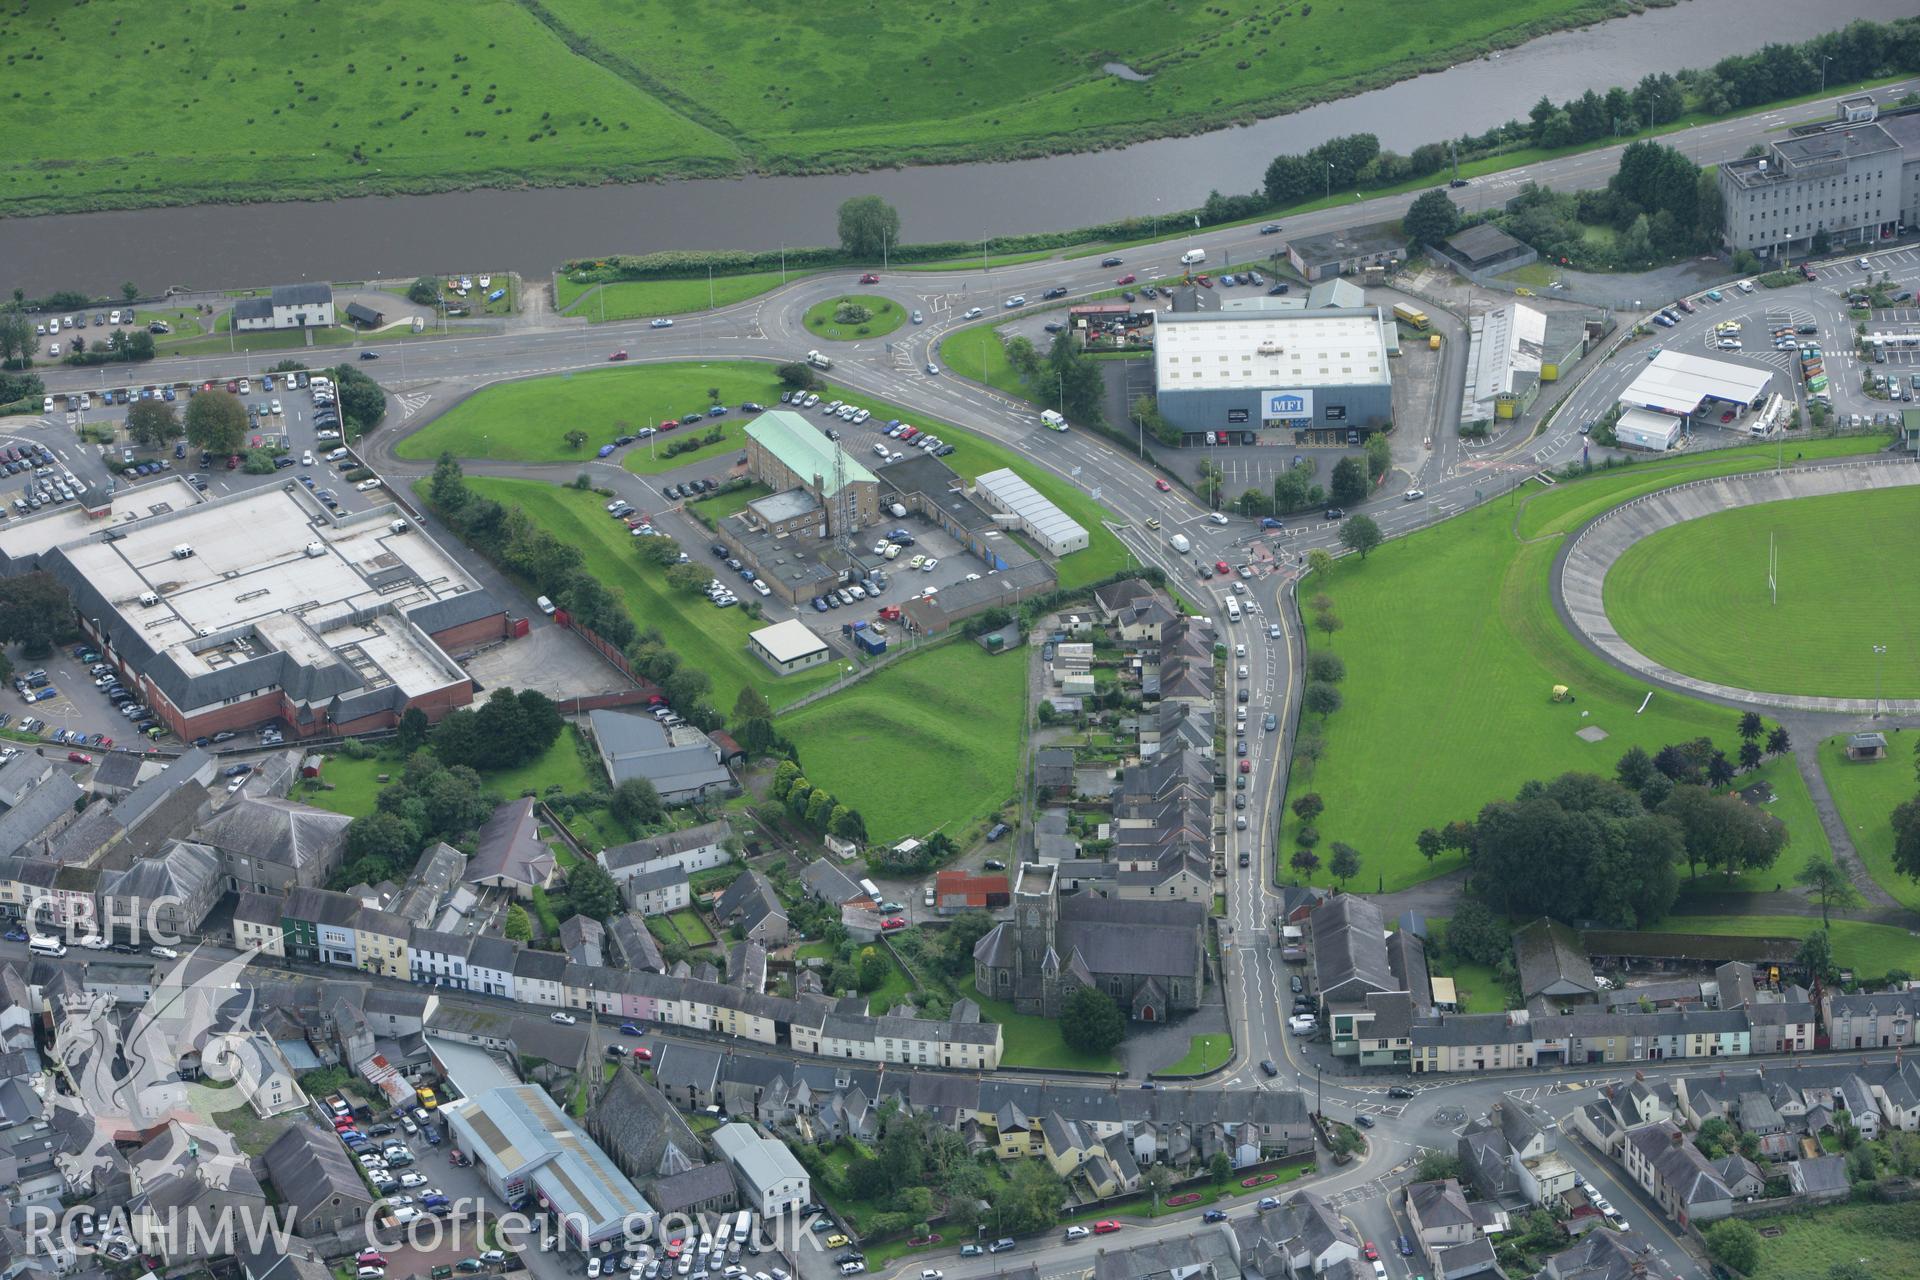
1437	1166
819	808
1379	455
1220	1166
847	824
1091	1022
1321	699
385	836
1634	768
797	374
872	969
1829	884
259	462
868	225
1815	956
1429	844
129	290
1735	1244
1750	755
1719	769
1306	862
216	422
1360	534
424	292
1320	563
1905	820
1326	666
1779	742
1309	806
413	731
749	704
575	438
1475	934
152	423
362	402
518	928
34	608
1349	482
1344	865
1751	726
592	891
1431	217
1327	622
1159	1179
636	803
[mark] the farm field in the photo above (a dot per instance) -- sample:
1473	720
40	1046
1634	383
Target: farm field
932	743
1695	596
527	421
639	299
495	93
1866	793
689	623
1445	728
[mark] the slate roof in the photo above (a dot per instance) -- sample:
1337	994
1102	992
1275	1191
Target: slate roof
650	878
311	294
641	1130
1440	1203
310	1168
621	856
636	746
637	947
282	832
1822	1174
682	1191
50	802
1350	949
119	770
747	901
1548	954
509	846
186	871
829	883
1131	936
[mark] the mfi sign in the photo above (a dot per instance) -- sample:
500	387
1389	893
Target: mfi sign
1286	404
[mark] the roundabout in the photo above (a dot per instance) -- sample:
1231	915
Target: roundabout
1674	586
853	316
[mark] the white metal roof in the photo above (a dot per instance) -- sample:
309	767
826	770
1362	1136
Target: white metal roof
1677	383
1268	349
788	641
1023	500
1644	427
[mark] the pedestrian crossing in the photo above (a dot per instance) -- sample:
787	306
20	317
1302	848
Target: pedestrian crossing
412	402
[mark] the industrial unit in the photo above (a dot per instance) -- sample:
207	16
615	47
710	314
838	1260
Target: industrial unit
1007	494
1292	377
1675	387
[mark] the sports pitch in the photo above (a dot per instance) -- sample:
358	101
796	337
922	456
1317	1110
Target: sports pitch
1695	597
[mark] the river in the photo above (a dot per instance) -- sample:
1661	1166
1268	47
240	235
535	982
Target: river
222	246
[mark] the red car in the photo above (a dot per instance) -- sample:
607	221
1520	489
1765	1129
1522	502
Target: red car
869	278
1727	416
1128	278
1220	567
893	922
106	744
79	757
1246	766
618	355
1205	282
233	385
1373	1254
233	462
1106	1228
371	1258
1162	486
643	1054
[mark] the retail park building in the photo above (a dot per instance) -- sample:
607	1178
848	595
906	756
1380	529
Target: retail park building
264	606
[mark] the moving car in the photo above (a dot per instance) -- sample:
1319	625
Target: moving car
660	322
618	355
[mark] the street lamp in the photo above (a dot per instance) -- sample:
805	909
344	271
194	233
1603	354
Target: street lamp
1329	182
1879	651
1824	60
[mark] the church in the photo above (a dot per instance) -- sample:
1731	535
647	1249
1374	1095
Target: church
1150	956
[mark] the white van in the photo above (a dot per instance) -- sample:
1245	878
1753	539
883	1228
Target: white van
337	454
546	605
1192	256
46	946
1233	610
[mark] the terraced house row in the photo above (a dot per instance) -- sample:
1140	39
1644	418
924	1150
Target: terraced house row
326	927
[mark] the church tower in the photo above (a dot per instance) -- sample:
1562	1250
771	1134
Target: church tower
1034	906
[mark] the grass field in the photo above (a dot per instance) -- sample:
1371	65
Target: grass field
977	352
1866	794
1204	1053
639	299
1695	596
717	637
885	316
1880	1236
1032	1041
1443	728
268	104
356	785
1869	949
528	421
931	743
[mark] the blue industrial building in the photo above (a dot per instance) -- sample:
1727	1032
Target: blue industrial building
1299	377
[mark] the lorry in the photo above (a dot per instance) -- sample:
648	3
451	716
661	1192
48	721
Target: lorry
1179	543
819	360
1193	257
1410	315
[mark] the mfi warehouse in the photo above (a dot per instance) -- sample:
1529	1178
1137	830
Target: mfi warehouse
1320	375
263	606
1674	387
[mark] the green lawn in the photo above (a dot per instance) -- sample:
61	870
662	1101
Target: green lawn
1443	728
1880	1236
1474	984
691	927
649	457
884	316
528	421
1866	794
356	787
1871	950
931	743
977	352
1029	1040
722	505
638	299
716	637
1204	1053
1695	596
897	987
